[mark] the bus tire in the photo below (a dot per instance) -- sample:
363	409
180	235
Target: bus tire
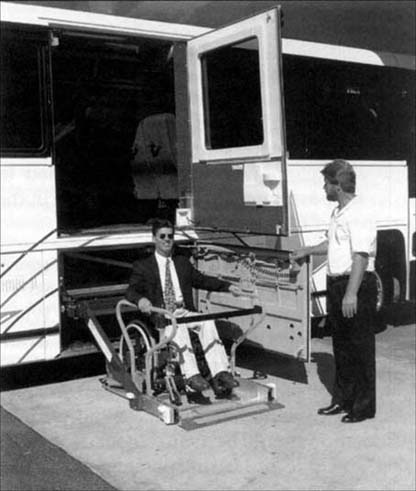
380	292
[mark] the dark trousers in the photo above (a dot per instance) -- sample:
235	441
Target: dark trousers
354	346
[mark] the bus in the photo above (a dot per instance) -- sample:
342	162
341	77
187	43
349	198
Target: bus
107	122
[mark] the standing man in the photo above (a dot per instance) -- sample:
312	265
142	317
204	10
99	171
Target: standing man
165	280
351	295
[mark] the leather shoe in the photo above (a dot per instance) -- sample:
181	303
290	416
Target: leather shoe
197	383
226	380
351	418
223	384
331	410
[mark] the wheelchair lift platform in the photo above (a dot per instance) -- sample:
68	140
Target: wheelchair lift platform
247	399
130	376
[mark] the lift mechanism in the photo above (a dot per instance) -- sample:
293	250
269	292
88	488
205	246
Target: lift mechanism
123	379
134	383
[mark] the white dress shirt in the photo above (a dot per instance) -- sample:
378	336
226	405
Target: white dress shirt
352	229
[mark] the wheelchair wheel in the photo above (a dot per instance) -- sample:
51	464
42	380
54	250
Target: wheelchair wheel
141	340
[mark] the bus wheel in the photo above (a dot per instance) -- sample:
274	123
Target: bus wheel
396	290
380	292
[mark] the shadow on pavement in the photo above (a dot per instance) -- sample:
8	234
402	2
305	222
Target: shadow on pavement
271	364
396	315
325	369
49	372
400	314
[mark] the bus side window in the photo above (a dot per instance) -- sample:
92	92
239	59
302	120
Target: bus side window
22	94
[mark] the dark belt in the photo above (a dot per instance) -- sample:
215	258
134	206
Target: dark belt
346	277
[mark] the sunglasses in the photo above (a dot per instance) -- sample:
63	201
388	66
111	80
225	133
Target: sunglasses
163	236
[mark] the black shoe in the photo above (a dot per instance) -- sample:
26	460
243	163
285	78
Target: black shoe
197	398
351	418
226	380
220	391
197	383
223	384
331	410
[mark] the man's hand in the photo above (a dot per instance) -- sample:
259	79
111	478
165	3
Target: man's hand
349	302
302	252
145	305
349	305
299	254
235	290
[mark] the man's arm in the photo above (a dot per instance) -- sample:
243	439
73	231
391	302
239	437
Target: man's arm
316	250
206	282
210	283
136	292
358	268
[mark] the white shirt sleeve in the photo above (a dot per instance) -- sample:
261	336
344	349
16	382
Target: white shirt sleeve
363	232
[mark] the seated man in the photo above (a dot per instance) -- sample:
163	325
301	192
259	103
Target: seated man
164	280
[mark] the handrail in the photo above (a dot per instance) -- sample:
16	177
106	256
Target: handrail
257	309
165	340
123	328
238	341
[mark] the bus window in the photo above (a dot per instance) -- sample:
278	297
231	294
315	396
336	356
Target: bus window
232	99
21	96
356	111
235	92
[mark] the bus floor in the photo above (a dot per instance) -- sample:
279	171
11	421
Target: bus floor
91	439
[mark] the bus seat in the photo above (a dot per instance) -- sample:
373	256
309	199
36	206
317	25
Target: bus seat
154	167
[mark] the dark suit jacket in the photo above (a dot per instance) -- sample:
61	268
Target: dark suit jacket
145	282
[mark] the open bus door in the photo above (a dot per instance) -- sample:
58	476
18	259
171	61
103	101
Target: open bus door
239	177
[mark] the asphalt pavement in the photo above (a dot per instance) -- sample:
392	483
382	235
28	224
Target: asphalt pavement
31	462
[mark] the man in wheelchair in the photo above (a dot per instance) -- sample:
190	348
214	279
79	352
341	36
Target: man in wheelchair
165	279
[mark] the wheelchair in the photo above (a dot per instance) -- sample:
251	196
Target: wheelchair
149	356
145	369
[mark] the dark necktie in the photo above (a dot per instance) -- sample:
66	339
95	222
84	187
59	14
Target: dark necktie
169	294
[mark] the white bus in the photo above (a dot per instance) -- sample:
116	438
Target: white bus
107	122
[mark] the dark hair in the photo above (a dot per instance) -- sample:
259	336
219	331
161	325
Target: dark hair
342	173
159	223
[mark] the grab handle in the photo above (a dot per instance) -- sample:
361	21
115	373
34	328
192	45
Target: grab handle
148	356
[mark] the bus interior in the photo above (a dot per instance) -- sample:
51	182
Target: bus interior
114	130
